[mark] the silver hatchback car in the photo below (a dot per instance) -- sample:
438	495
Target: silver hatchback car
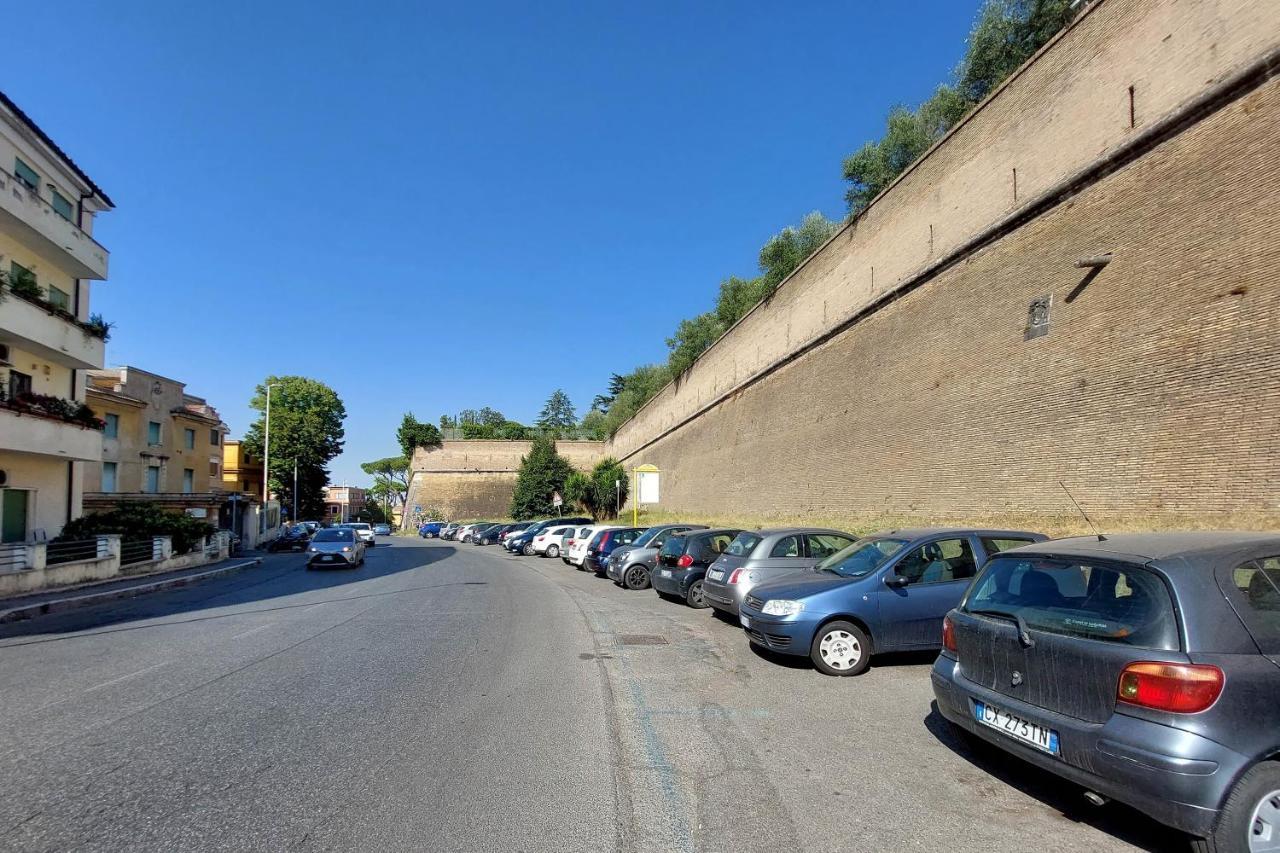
335	546
755	557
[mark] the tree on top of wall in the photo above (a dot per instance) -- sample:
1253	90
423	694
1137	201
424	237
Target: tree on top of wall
542	473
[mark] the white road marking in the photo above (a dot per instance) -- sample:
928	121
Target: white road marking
125	677
253	630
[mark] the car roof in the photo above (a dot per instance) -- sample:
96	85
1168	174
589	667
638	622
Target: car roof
788	531
710	531
1197	547
921	532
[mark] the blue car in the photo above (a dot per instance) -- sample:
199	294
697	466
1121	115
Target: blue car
431	530
886	592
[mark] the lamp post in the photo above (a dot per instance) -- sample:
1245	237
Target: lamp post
266	450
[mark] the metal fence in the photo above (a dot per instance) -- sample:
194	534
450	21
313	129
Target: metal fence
139	551
76	550
13	558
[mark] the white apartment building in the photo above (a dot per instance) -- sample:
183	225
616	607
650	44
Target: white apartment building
48	335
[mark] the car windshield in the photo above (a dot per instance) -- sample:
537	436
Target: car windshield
361	526
1117	603
333	534
862	557
742	544
649	535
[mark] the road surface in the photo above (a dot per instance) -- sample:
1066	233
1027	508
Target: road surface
453	697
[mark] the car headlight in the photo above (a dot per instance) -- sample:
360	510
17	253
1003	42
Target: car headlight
315	550
782	607
346	547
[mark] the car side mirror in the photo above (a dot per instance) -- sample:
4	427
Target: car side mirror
896	581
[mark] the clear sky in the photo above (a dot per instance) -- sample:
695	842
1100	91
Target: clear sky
433	207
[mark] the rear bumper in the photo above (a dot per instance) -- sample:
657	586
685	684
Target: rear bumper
1176	777
722	596
677	584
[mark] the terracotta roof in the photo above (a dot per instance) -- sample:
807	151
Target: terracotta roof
47	140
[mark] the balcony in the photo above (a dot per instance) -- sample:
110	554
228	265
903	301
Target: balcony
34	221
28	326
43	435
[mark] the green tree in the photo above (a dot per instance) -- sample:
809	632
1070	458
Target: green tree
468	416
639	386
306	429
603	402
691	339
558	412
789	248
447	422
542	473
491	417
598	492
513	431
413	434
595	424
390	481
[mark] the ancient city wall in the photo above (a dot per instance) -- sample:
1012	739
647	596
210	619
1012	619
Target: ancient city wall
1155	393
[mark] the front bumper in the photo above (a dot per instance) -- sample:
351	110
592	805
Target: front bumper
789	636
1177	777
331	559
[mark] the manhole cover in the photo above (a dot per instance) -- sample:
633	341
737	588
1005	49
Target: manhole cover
642	639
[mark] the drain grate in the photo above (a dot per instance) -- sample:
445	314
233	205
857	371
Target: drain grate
642	640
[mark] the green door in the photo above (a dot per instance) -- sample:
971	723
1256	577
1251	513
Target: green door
13	515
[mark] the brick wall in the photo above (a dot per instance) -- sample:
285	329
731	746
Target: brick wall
1155	394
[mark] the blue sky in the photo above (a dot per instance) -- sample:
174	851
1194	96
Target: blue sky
433	207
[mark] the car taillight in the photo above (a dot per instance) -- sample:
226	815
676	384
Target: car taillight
737	573
685	561
1175	687
949	634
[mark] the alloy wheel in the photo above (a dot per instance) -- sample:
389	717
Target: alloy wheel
1264	825
636	578
840	650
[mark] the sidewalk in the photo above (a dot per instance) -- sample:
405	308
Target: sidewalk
35	604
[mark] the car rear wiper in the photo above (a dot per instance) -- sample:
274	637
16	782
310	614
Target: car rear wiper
1024	632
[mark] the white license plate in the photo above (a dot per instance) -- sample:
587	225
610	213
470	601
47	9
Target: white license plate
746	623
666	573
1016	727
715	575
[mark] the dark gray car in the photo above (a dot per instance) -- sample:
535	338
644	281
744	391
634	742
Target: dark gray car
764	555
1144	667
630	565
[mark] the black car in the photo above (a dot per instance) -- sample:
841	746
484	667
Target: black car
683	560
295	538
1144	667
486	535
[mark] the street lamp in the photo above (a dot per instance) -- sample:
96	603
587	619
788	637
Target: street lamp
266	450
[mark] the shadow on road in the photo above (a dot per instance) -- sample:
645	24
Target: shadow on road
280	575
1062	796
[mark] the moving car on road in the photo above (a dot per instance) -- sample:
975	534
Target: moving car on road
766	555
382	530
335	546
887	592
683	561
605	543
1144	667
363	531
630	565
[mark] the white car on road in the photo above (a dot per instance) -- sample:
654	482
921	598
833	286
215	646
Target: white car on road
548	542
575	543
364	531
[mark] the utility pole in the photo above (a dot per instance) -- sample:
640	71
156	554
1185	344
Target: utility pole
266	451
295	491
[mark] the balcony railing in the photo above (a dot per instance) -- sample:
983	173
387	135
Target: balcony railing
30	292
29	207
51	408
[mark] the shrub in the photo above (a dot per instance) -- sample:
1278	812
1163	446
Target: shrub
139	521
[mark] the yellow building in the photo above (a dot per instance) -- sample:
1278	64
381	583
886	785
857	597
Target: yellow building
241	470
48	336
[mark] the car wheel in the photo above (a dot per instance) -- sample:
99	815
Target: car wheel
695	597
841	648
635	577
553	551
1250	821
527	550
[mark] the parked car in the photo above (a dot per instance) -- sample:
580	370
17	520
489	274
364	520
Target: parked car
522	542
382	530
335	546
486	535
294	538
886	592
683	561
630	565
576	541
605	542
766	555
464	532
511	530
363	530
312	526
548	541
1143	667
450	530
431	529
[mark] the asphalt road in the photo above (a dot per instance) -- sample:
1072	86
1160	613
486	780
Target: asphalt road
451	697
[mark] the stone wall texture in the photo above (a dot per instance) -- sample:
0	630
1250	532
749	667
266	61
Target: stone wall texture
890	375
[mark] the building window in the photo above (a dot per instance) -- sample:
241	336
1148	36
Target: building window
26	174
108	476
59	298
215	437
19	384
189	439
153	433
112	429
153	479
214	470
188	481
17	272
62	206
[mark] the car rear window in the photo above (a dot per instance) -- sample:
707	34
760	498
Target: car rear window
1259	605
742	544
333	535
674	546
1115	603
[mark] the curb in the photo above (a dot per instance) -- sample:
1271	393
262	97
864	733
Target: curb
59	605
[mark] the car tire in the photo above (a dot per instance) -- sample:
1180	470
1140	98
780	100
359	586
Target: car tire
527	550
694	597
840	648
1254	799
635	577
553	551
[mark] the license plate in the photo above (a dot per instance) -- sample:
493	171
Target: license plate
666	573
746	623
1017	728
715	575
